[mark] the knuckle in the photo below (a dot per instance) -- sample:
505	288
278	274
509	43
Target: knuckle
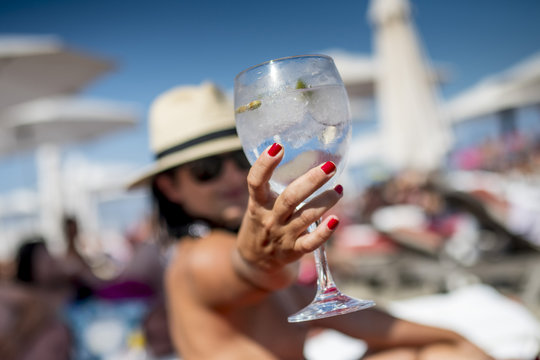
306	217
253	180
288	199
314	176
313	243
268	225
287	245
319	238
252	208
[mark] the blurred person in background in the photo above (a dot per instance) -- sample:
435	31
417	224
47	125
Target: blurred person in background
231	277
147	263
37	268
422	212
140	277
74	262
29	328
130	298
30	321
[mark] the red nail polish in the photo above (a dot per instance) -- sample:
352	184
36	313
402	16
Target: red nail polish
274	149
333	223
328	167
339	189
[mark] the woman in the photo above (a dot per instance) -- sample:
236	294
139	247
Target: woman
231	280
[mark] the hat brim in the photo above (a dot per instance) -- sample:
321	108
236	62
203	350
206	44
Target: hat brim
173	160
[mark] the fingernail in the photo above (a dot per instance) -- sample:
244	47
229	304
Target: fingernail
328	167
274	149
339	189
333	223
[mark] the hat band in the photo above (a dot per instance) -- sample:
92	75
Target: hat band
197	141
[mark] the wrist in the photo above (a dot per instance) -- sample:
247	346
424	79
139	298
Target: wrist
264	278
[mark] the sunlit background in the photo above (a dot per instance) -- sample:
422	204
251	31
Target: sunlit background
436	87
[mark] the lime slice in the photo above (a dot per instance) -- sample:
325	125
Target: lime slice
255	104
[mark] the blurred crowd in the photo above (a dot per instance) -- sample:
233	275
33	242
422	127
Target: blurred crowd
56	307
490	209
515	153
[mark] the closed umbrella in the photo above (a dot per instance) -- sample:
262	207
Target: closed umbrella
414	134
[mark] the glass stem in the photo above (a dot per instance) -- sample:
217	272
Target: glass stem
325	283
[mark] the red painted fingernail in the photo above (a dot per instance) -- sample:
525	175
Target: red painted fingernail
333	223
328	167
339	189
274	149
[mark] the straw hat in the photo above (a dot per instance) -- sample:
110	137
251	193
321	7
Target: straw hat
188	123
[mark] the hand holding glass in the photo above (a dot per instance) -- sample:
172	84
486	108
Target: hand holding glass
301	103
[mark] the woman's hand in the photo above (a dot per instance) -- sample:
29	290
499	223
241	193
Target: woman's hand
273	232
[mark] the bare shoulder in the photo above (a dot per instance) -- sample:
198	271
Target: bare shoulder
205	266
197	255
192	251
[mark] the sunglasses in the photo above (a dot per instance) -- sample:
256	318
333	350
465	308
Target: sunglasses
210	168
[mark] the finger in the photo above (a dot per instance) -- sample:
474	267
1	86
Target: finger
311	241
301	188
314	209
261	172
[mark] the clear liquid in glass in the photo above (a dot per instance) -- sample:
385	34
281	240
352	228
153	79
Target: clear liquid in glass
312	124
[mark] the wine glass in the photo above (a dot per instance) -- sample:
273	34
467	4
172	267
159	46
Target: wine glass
301	103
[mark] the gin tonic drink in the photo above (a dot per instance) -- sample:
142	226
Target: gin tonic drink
301	103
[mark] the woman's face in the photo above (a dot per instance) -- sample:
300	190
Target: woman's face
222	199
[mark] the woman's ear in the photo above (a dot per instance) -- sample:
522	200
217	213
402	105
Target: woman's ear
167	184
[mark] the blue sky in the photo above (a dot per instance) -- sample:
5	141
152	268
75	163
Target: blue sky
161	43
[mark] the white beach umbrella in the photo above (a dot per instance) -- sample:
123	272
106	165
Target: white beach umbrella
60	121
516	87
413	132
46	125
32	67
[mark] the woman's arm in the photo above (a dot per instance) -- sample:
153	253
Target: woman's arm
382	332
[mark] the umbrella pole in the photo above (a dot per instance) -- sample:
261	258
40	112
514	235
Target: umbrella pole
50	195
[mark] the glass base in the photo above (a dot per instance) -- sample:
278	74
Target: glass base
330	303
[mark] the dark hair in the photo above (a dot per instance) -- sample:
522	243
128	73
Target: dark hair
25	258
171	216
